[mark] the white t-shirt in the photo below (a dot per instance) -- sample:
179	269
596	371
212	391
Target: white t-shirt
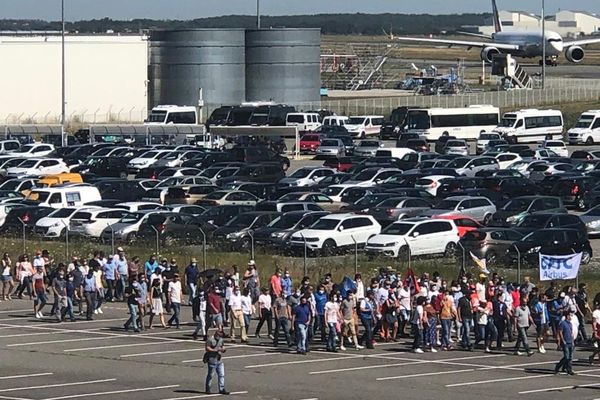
6	271
360	290
235	301
156	276
480	290
331	312
417	317
404	296
175	292
382	295
246	304
596	316
264	301
39	262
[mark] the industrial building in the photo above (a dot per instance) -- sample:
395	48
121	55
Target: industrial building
114	78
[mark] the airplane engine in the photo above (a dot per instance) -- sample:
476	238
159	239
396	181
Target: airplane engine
575	54
488	52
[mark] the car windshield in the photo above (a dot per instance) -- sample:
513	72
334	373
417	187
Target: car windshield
131	218
419	120
332	191
457	163
28	164
555	144
447	205
27	148
370	199
62	213
295	118
365	175
286	221
584	122
488	136
242	221
368	143
325	224
291	197
149	154
301	173
456	143
215	195
534	221
594	212
517	205
398	229
211	172
309	138
355	121
508	121
389	203
10	184
539	236
329	142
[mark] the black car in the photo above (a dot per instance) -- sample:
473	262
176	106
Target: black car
519	207
258	154
20	217
534	222
334	179
404	138
556	241
365	203
572	190
237	233
220	215
448	187
392	128
278	232
103	166
173	228
511	186
262	173
120	189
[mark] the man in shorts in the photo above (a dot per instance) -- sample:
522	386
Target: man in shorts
347	309
39	288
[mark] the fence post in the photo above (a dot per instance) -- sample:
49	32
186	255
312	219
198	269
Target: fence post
518	263
251	233
157	239
355	254
66	239
203	248
305	255
112	238
23	226
464	257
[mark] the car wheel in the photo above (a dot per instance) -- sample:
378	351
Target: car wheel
123	175
403	253
589	141
487	219
586	256
581	203
450	251
491	258
329	248
363	135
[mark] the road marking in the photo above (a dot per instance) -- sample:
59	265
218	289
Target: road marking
51	324
25	376
48	333
165	341
174	351
302	361
14	311
75	396
238	356
13	398
518	378
424	374
56	385
560	388
202	396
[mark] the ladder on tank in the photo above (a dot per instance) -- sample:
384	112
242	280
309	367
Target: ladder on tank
506	66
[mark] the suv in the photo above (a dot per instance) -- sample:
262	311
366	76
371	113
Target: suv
551	241
267	173
415	237
220	215
572	190
490	244
172	228
259	155
120	189
336	231
532	223
92	222
480	209
518	208
278	232
237	233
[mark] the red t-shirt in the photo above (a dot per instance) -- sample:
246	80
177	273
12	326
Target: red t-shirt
38	283
275	285
214	303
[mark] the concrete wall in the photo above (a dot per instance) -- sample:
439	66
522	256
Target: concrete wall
106	78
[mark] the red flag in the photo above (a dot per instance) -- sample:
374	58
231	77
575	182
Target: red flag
411	282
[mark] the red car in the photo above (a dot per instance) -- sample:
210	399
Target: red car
309	143
342	164
464	224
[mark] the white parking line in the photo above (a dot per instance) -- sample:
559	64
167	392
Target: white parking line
202	396
12	398
15	311
67	331
146	389
51	324
560	388
57	385
152	353
25	376
238	356
518	378
425	374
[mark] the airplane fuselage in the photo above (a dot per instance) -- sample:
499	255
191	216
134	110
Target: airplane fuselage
530	43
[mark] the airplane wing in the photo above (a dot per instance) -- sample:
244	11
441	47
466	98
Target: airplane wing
464	43
581	42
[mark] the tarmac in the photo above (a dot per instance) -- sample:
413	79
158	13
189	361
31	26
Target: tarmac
47	360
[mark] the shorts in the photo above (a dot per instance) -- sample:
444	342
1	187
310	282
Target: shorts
349	327
216	319
391	319
404	315
5	278
540	329
40	298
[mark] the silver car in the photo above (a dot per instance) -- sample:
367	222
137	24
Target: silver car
367	148
480	209
455	146
591	219
127	227
331	148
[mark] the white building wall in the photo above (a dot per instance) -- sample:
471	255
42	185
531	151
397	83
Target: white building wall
106	78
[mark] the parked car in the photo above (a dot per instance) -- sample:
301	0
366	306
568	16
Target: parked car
484	139
342	164
220	215
591	219
552	242
331	148
463	224
480	209
456	146
19	218
278	232
534	222
223	197
367	148
237	233
572	190
490	244
518	208
396	208
91	222
306	176
321	200
173	228
418	145
309	143
440	144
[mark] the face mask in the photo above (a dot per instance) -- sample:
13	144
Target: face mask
194	264
287	275
71	279
335	298
321	291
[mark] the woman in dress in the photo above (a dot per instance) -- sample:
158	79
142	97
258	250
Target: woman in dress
157	304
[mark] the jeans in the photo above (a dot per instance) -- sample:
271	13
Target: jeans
99	298
465	332
284	324
110	289
582	331
367	337
68	311
247	319
121	284
331	336
191	292
319	325
302	337
565	362
219	368
176	311
418	334
132	317
522	338
446	324
501	328
491	333
90	301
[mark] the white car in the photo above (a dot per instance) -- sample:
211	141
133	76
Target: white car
91	222
505	159
372	176
417	236
431	183
146	160
213	174
335	231
306	176
38	167
525	167
5	208
33	150
471	166
134	206
557	146
335	192
483	140
456	146
233	197
54	224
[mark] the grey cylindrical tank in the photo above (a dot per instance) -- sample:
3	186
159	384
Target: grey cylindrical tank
282	65
183	61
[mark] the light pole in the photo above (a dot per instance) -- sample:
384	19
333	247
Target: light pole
62	34
543	45
257	14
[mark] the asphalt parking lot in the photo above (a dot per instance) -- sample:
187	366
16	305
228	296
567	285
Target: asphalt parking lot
45	360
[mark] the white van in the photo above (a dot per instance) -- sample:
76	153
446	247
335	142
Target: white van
586	130
363	125
531	126
335	120
305	122
65	195
169	114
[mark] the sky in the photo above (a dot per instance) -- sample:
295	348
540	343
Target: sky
189	9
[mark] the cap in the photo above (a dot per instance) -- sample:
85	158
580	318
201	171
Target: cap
173	261
193	260
251	263
165	260
120	249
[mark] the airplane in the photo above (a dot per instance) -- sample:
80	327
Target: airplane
516	42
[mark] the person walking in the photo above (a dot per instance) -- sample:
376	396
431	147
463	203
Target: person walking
332	319
247	309
214	349
465	319
59	287
523	319
567	343
132	296
191	279
417	322
539	313
6	277
39	289
367	315
24	273
110	277
348	310
302	319
595	332
175	299
90	291
122	269
447	316
71	293
237	315
156	303
264	313
282	316
200	300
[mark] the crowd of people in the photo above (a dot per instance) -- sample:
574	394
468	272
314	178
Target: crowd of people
434	314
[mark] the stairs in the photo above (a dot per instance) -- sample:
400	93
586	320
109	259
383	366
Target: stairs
508	68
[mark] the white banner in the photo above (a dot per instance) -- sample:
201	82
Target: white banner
559	267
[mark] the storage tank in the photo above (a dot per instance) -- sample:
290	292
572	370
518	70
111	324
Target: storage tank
183	61
283	65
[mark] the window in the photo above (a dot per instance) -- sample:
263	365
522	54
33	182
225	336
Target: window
349	223
55	199
292	207
479	203
596	123
425	229
498	235
73	198
188	117
313	207
362	222
415	203
467	223
513	236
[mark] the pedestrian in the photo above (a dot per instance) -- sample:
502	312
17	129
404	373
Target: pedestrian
319	322
332	319
282	316
264	313
431	321
200	299
110	277
500	316
286	284
247	309
595	332
191	279
132	297
567	342
39	289
390	317
150	266
71	289
367	316
90	292
156	303
251	281
275	287
122	273
6	277
100	292
348	310
464	317
24	273
540	316
302	317
59	288
418	321
237	315
447	316
214	309
404	299
168	276
175	299
583	307
523	319
214	349
133	267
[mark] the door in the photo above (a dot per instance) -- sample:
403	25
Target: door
441	234
596	130
420	239
363	229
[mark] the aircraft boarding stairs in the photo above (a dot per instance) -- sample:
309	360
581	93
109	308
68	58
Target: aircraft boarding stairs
506	66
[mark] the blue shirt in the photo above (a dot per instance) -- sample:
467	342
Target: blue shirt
286	286
89	284
150	267
302	313
567	331
121	265
320	300
109	270
191	274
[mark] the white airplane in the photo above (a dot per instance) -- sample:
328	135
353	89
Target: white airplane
517	42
